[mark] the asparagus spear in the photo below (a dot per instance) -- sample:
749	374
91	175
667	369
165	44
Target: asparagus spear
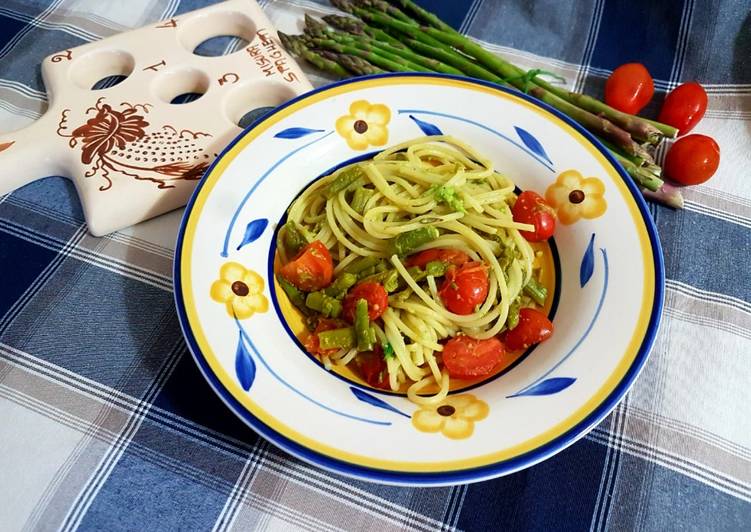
358	27
406	243
381	51
294	45
392	11
666	194
343	338
363	331
370	56
399	55
356	65
505	70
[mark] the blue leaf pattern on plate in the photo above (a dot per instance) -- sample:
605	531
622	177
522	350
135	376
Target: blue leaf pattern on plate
532	143
365	397
547	387
253	230
587	267
427	128
295	132
245	368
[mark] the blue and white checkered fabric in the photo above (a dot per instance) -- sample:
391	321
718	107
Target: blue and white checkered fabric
106	424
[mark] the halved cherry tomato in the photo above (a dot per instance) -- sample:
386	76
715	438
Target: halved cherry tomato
372	368
684	107
531	208
629	88
311	269
692	159
312	342
533	327
465	287
467	358
452	256
373	293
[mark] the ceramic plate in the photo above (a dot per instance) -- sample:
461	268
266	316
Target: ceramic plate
605	261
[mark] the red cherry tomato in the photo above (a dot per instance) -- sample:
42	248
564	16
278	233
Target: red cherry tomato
530	208
452	256
629	88
373	293
312	342
467	358
372	368
684	107
692	159
311	269
533	327
465	287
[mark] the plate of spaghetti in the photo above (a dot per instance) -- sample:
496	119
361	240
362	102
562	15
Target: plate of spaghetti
418	279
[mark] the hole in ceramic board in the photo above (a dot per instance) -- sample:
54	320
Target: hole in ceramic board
251	116
109	81
216	34
186	97
220	45
181	86
101	69
249	102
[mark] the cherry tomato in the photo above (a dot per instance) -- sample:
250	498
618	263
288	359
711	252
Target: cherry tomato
312	342
530	208
467	358
372	368
684	107
629	88
373	293
311	269
692	159
533	327
452	256
465	287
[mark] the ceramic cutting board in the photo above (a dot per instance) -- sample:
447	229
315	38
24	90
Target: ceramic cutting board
130	152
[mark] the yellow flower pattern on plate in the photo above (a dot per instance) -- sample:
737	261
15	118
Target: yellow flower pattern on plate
574	197
241	291
365	125
455	416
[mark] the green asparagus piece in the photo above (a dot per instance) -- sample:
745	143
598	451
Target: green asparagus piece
399	56
382	5
356	65
341	284
406	243
358	27
294	294
404	56
326	305
513	314
293	238
467	66
536	291
643	177
389	279
294	46
376	57
436	268
362	264
343	338
360	199
343	180
363	331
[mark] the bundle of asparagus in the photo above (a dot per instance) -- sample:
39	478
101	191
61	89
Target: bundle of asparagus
406	38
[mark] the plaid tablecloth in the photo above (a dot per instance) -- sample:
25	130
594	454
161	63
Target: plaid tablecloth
105	422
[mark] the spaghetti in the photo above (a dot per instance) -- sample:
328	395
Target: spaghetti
373	218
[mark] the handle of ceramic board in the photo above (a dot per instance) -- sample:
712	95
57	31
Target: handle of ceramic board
29	154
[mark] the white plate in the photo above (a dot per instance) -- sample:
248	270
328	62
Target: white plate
606	307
